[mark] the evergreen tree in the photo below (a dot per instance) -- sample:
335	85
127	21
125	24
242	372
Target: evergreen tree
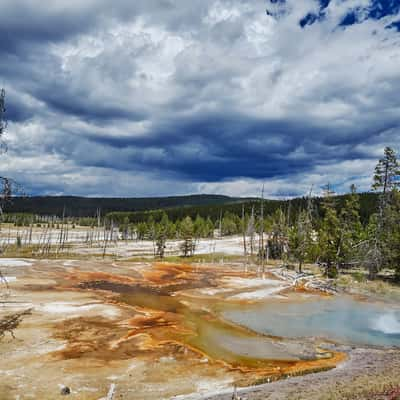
329	235
229	226
391	235
199	227
151	228
351	228
167	226
141	230
301	238
123	228
187	232
161	235
387	172
279	235
386	181
209	230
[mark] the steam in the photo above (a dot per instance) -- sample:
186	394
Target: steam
388	324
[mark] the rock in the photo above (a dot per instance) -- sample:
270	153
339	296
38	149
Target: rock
65	391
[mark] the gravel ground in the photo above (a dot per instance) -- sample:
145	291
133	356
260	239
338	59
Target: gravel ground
366	373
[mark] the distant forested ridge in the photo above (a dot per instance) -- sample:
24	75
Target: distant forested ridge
368	204
87	206
140	209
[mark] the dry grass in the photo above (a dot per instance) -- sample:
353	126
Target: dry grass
358	284
382	387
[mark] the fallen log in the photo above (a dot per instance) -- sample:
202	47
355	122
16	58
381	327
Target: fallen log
10	322
111	392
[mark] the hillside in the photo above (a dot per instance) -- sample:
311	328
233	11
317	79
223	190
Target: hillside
177	207
87	206
368	205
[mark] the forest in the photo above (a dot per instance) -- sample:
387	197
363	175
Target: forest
336	231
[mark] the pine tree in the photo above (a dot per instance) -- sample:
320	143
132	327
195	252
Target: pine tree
187	232
386	181
141	230
199	227
391	236
329	235
351	228
209	228
279	234
167	226
387	172
301	241
228	225
161	234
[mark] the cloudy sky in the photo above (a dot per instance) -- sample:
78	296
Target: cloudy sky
163	97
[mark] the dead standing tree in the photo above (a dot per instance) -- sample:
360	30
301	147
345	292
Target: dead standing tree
261	246
7	187
244	238
251	231
6	184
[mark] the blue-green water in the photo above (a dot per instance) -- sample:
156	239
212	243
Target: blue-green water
342	319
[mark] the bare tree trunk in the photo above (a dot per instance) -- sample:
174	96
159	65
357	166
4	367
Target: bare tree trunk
111	392
105	240
262	234
244	238
48	246
220	224
61	243
30	233
252	233
98	212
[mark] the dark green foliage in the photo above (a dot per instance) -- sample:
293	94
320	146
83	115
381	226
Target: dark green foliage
230	224
87	206
278	235
352	232
232	213
329	237
177	208
383	227
391	234
19	219
337	231
301	240
163	230
387	172
187	234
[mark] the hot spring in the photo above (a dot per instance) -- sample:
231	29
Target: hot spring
339	318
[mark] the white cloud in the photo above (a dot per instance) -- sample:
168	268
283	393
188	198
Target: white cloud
164	97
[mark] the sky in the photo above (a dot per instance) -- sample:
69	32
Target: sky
168	97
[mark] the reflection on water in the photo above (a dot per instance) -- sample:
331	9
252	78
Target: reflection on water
217	339
339	318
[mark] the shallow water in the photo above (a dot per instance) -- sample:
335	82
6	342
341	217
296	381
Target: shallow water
214	337
339	318
147	329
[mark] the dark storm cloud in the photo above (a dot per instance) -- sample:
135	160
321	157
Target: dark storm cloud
224	148
25	23
80	106
209	92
